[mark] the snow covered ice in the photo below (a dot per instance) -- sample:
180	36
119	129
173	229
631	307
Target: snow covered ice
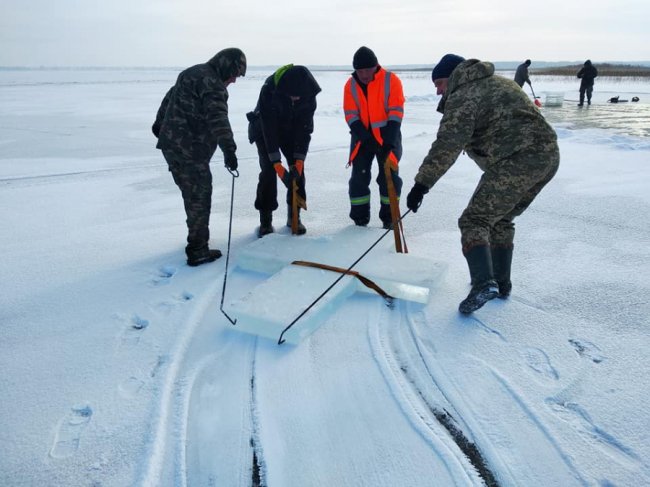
118	367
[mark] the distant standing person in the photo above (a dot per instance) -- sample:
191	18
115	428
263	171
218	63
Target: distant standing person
498	127
587	74
521	75
191	122
282	123
373	102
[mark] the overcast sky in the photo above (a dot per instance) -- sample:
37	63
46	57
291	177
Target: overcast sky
275	32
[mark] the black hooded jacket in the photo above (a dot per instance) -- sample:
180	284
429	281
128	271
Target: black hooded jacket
587	74
278	119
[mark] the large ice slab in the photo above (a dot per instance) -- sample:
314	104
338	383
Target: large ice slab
268	308
272	305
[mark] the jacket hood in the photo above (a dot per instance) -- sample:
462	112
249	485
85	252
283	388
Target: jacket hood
293	80
468	71
229	63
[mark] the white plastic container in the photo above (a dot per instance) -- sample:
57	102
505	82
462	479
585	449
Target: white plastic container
554	98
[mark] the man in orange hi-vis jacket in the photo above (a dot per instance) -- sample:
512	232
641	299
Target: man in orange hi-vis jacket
373	102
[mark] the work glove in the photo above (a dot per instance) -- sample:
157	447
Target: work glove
230	160
383	152
283	174
297	169
414	198
371	145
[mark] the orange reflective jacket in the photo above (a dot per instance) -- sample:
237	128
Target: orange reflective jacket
384	103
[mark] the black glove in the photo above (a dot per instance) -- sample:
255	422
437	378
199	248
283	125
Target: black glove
414	198
230	160
383	151
371	145
155	128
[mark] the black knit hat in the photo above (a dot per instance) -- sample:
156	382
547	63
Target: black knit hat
364	58
446	65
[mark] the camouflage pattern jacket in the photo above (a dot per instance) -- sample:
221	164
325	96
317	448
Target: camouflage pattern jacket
193	117
487	116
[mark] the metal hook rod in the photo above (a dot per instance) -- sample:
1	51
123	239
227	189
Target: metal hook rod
235	174
281	340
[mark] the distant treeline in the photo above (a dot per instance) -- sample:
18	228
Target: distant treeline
604	69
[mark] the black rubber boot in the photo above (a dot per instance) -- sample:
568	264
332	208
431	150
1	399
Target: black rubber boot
501	262
202	257
266	223
301	228
484	287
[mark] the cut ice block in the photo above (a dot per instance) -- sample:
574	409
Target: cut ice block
270	307
402	276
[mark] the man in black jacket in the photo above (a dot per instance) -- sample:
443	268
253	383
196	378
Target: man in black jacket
282	123
191	122
587	74
521	75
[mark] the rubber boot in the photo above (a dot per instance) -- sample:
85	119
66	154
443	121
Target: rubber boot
501	262
203	256
301	228
266	223
484	287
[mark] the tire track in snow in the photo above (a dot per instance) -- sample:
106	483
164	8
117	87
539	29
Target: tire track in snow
205	345
425	419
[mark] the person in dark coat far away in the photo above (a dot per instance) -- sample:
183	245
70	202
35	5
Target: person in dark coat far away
521	75
587	74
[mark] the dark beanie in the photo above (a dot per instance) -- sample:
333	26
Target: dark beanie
446	65
364	58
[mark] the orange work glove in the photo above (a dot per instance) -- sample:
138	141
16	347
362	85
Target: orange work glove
297	168
282	173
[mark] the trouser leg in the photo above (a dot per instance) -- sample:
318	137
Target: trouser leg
384	210
504	193
266	199
194	179
359	188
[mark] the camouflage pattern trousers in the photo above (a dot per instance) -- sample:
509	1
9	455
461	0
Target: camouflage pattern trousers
504	192
194	179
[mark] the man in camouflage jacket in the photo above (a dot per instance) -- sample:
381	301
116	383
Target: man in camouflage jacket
191	122
495	123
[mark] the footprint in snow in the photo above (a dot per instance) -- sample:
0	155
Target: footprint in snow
581	420
587	349
130	387
164	275
537	360
168	306
68	434
131	333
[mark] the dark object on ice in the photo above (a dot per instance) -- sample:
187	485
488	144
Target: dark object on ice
616	99
635	98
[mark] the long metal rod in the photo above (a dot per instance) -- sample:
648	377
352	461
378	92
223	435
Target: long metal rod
235	174
281	340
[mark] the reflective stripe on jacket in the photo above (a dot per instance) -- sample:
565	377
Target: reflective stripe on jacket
384	103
